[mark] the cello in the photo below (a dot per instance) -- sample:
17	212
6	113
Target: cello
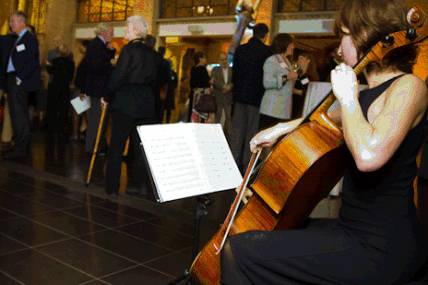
315	155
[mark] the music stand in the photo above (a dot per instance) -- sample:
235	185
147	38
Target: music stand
189	160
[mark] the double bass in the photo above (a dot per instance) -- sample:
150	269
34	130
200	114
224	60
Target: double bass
300	170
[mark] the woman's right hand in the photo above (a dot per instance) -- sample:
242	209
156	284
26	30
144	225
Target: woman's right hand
268	137
265	138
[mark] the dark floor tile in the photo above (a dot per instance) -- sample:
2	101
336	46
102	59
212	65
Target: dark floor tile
85	257
66	223
101	216
95	282
32	267
5	215
51	200
9	245
15	176
174	264
157	235
125	245
5	279
29	232
125	210
138	275
17	188
21	206
173	225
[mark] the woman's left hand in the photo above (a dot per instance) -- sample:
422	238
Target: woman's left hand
344	83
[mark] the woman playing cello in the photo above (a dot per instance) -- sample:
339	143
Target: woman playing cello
377	238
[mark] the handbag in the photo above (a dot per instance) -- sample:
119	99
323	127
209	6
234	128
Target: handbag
205	101
2	106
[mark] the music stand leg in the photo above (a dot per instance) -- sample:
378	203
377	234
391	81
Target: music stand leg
201	209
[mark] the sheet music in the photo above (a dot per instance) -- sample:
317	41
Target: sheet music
316	92
81	106
188	159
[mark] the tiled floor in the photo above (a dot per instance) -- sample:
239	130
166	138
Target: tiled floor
49	238
54	230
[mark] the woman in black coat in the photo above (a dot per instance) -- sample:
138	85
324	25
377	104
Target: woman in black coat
62	70
199	83
132	102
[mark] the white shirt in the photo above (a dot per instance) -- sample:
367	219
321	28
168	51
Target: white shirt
225	74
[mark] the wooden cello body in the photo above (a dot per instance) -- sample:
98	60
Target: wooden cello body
284	196
300	171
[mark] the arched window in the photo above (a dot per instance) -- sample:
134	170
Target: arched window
104	10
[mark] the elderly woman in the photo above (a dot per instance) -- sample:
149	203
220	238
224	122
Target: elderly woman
278	80
132	101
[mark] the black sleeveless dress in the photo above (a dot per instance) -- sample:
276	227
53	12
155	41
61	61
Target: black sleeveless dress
376	240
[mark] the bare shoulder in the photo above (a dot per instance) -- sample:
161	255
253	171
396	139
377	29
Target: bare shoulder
412	84
408	95
409	89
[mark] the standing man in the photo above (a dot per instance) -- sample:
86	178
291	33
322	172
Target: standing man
6	43
22	76
221	77
248	90
99	55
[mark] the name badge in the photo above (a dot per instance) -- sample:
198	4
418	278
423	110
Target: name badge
304	81
20	47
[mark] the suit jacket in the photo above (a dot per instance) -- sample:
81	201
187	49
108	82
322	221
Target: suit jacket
6	43
81	74
217	78
98	58
247	75
161	83
25	59
131	89
62	70
277	100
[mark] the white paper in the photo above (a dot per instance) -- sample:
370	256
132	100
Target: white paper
316	92
79	105
188	159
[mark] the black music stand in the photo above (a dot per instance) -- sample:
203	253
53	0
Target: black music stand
201	209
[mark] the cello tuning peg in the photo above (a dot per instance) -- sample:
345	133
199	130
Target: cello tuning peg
411	34
388	41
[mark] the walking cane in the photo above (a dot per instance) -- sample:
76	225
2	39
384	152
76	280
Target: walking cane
97	141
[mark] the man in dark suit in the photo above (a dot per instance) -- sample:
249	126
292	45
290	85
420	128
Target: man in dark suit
6	43
98	55
221	77
248	90
22	76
